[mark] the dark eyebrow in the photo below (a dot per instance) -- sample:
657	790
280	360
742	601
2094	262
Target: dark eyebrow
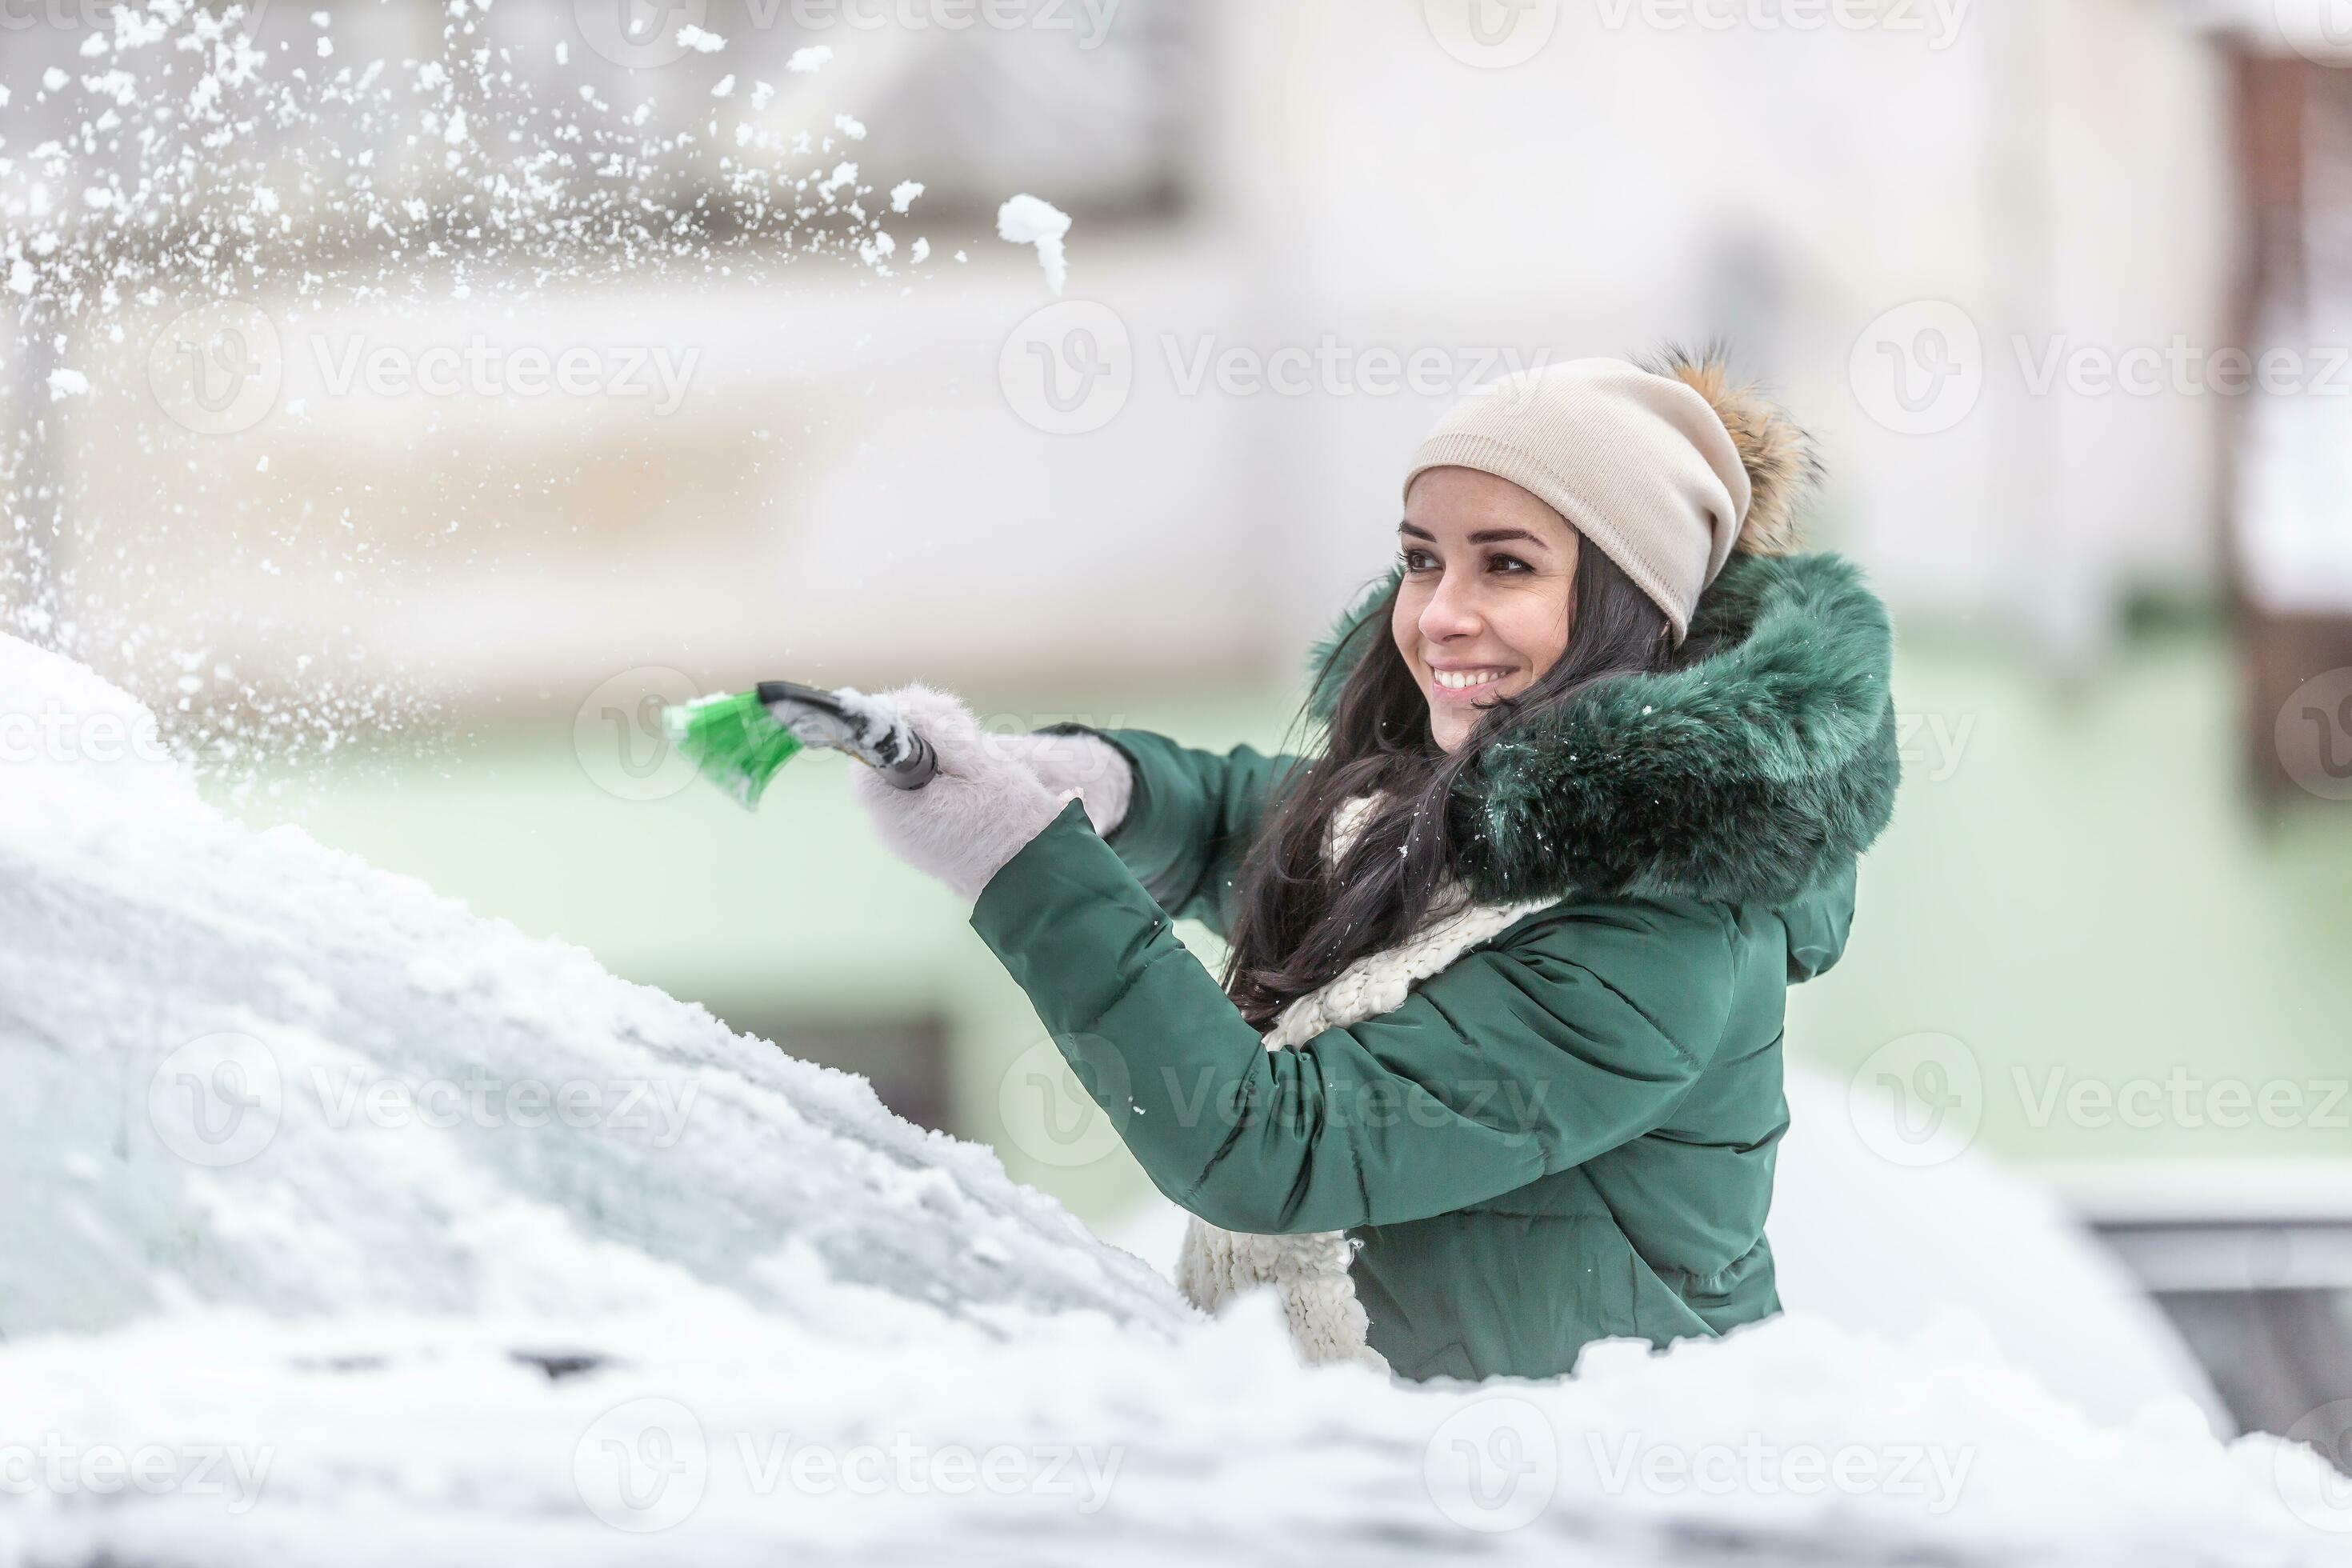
1485	536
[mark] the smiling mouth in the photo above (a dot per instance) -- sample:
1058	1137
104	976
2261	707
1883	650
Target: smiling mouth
1456	682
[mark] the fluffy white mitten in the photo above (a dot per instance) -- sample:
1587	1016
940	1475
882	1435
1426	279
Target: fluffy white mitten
984	803
1097	769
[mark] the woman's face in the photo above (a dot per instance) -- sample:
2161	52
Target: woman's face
1485	607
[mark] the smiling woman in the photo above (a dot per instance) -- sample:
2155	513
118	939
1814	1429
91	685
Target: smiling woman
1494	1069
1485	605
1500	613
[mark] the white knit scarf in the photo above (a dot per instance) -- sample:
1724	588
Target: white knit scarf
1310	1270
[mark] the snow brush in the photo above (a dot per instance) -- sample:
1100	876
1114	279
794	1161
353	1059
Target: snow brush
740	741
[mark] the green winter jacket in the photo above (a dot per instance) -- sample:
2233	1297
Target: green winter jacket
1568	1132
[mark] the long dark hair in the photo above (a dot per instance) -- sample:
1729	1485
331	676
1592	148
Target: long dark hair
1298	922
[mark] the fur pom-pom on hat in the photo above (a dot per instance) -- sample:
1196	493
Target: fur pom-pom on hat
1783	469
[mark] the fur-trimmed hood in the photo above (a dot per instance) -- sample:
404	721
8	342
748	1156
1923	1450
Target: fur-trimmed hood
1754	774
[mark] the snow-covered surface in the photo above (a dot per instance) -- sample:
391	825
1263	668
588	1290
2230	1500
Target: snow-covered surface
748	1438
1879	1247
248	1071
789	1327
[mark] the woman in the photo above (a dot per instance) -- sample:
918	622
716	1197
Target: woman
1494	1066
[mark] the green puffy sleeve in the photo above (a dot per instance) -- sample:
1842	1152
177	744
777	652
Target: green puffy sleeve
1190	819
1580	1033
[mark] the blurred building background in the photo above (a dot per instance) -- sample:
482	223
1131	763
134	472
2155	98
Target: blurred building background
1998	256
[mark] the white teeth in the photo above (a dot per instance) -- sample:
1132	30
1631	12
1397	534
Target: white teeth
1462	679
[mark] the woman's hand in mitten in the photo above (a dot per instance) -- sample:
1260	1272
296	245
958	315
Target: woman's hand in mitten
984	803
1097	769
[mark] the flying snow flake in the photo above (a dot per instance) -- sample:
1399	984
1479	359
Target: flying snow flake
903	195
700	39
1026	220
850	126
809	61
65	384
920	252
726	89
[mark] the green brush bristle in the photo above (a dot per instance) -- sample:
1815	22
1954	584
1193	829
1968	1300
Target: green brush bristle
734	742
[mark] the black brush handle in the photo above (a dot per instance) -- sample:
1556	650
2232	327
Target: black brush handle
909	767
913	770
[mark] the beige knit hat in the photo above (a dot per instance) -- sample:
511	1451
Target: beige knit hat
1668	468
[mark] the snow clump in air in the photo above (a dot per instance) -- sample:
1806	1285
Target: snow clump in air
1026	220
